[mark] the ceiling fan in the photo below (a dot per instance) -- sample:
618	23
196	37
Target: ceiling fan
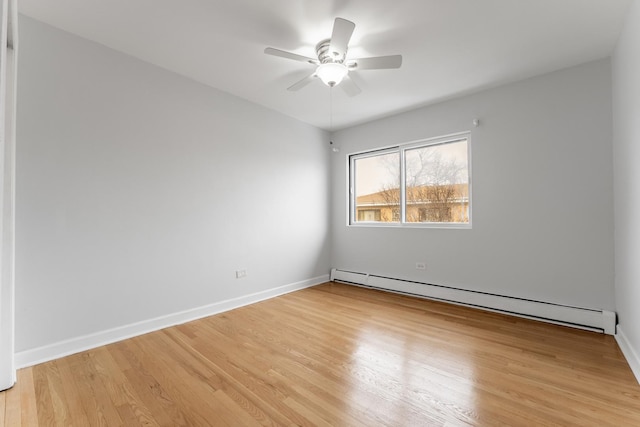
333	67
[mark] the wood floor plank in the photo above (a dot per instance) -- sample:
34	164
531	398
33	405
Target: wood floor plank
72	393
46	408
231	413
175	388
99	406
311	417
3	405
336	354
28	407
60	404
165	411
244	382
12	414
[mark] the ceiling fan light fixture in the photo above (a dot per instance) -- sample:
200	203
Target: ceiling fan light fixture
332	73
332	65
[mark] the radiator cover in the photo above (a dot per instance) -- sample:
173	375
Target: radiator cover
577	317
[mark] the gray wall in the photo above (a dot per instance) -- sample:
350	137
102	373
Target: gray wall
542	193
626	148
141	192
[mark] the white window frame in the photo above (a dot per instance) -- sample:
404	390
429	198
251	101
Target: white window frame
401	149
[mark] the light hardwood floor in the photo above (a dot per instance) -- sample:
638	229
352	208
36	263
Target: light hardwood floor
337	355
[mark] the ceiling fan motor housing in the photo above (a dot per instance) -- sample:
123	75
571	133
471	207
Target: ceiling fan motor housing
325	55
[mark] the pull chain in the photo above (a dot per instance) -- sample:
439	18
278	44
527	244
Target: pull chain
331	109
333	148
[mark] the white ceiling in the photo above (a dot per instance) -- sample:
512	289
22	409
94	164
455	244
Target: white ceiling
449	47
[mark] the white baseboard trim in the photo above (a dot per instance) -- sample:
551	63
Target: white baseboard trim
629	353
56	350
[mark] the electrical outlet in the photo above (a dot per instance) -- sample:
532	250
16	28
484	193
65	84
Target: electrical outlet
421	266
241	273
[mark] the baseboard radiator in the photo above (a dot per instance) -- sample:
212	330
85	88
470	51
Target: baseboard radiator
582	318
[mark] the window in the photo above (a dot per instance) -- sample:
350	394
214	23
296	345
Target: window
426	183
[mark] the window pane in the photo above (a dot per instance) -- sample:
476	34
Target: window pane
437	183
377	188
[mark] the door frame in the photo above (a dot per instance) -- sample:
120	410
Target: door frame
8	75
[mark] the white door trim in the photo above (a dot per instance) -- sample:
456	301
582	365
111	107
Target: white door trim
8	64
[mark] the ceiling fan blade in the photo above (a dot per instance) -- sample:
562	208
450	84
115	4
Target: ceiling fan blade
302	83
349	86
342	31
289	55
376	63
